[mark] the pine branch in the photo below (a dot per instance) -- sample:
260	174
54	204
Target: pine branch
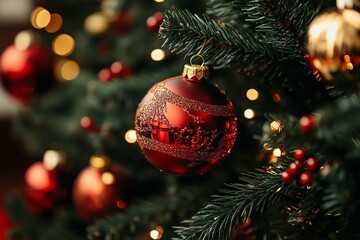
225	46
138	220
228	11
217	220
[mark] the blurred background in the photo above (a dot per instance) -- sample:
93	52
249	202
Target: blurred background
14	17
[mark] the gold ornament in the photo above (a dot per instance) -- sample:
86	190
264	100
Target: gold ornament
333	43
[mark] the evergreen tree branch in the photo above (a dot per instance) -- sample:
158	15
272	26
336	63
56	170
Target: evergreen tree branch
228	11
225	46
217	220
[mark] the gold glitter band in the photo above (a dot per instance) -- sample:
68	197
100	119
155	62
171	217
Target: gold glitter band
184	153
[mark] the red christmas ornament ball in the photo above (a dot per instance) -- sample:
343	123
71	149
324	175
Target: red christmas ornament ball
120	70
89	125
43	187
153	22
185	126
312	163
5	224
25	72
101	191
286	177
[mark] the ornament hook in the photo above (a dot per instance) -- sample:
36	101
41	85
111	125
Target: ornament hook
199	56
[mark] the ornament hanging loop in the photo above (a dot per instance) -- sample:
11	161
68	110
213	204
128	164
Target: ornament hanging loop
197	56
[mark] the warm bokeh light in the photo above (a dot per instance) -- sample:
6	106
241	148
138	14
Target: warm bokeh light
97	23
63	45
275	126
159	1
157	54
55	23
130	136
52	159
277	152
157	233
252	94
249	113
98	161
38	177
121	204
107	178
67	70
276	97
40	17
24	39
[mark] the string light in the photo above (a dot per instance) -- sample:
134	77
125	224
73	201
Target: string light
96	23
275	126
130	136
67	70
98	161
24	39
249	113
55	23
252	94
107	178
40	17
277	152
52	159
157	233
159	1
63	45
157	54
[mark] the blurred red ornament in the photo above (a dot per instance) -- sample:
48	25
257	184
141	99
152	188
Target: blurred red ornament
244	231
153	22
105	75
5	224
43	187
98	191
122	21
307	123
25	72
294	169
185	125
89	125
120	70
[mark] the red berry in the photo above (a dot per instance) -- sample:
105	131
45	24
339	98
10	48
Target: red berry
312	163
299	154
305	179
105	75
88	124
307	123
294	169
119	69
286	177
299	164
154	21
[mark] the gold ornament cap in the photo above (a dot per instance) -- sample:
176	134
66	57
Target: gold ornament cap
195	72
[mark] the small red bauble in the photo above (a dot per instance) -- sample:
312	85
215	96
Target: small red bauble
89	125
105	75
43	187
286	177
185	125
307	123
122	22
120	70
100	191
299	154
312	163
153	22
294	169
305	179
25	72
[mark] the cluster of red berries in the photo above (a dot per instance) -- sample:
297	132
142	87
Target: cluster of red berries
301	169
153	22
117	70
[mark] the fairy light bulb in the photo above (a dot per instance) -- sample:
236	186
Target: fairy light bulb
63	45
107	178
277	152
252	94
157	54
40	17
159	1
52	159
55	23
67	70
97	23
157	233
98	161
130	136
24	40
249	113
275	126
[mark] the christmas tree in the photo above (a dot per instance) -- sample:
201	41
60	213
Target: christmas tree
284	168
